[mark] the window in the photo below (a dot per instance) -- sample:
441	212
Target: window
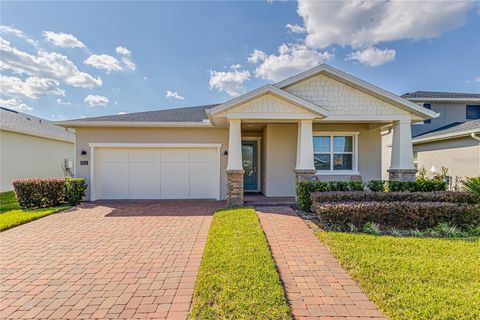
334	152
473	112
428	106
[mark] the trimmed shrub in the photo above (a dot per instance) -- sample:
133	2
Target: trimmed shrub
74	190
306	188
39	193
359	196
401	215
421	185
376	185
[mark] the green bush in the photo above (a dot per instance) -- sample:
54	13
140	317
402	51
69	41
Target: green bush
472	185
420	185
376	185
74	190
401	215
359	196
306	188
371	228
39	193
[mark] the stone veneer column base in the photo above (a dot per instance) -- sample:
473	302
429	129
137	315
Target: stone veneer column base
304	175
235	188
402	174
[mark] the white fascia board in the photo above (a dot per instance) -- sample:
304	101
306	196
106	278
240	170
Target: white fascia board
424	113
445	136
74	124
309	106
426	100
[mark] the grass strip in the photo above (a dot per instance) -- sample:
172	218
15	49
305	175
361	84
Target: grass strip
237	277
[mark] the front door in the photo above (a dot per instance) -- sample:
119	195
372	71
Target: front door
249	160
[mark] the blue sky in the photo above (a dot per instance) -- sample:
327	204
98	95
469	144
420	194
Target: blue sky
63	60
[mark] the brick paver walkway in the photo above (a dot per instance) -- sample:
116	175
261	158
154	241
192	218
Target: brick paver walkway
128	259
317	286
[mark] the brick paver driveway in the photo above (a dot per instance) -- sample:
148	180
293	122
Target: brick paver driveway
126	259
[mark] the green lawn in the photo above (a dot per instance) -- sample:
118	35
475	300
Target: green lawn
412	278
11	215
237	278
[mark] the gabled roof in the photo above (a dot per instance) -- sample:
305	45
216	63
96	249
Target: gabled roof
439	95
14	121
269	89
364	86
187	115
453	130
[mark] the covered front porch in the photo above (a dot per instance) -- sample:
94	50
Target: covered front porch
269	157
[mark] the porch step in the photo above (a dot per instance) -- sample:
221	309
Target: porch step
262	201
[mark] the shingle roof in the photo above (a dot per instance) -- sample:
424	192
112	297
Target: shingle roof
15	121
187	114
451	129
440	95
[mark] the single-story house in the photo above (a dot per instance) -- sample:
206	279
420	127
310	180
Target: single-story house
32	147
452	140
322	123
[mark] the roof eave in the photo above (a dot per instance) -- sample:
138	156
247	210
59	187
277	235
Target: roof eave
445	136
425	99
134	124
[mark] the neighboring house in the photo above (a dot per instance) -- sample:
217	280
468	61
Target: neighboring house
322	123
31	147
451	140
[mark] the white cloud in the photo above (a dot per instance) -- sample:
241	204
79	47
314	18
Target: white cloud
230	82
361	24
372	56
17	33
256	56
235	66
15	105
129	63
126	57
64	40
48	65
63	103
123	51
174	95
295	28
291	59
104	61
32	87
121	113
96	101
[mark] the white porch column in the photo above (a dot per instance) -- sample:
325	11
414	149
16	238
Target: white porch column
305	146
235	145
401	165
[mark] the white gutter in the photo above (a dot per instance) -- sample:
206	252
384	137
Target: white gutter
124	124
446	136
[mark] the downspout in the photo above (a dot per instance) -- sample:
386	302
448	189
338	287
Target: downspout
475	137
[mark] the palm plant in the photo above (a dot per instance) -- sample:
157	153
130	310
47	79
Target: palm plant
472	185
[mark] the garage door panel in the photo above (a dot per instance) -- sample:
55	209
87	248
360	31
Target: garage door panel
113	155
147	154
114	180
202	155
143	178
156	173
174	155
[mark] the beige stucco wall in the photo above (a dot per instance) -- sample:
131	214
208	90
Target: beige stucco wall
280	155
150	135
24	156
461	156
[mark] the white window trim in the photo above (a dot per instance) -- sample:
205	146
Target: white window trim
354	171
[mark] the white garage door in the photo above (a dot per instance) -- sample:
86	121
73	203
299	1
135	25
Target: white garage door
156	173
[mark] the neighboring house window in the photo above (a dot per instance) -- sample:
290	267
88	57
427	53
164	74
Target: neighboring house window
334	153
473	112
428	106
